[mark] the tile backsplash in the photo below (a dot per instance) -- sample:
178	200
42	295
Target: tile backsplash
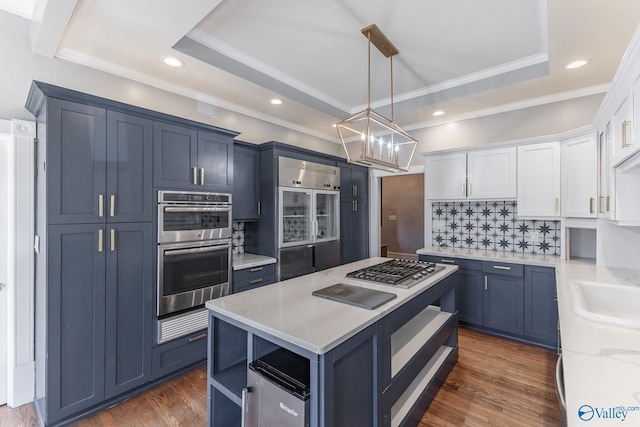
237	238
492	226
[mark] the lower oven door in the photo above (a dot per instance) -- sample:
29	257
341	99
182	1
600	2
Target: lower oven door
189	274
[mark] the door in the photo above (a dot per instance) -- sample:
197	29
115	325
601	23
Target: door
492	174
446	177
327	216
75	318
215	154
503	303
76	169
129	167
580	182
246	183
175	155
129	305
295	223
539	180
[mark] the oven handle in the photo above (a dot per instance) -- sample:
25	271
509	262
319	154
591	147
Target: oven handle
171	252
196	209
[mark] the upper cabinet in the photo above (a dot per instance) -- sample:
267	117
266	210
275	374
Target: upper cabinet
99	165
354	181
539	180
580	177
246	183
605	175
477	175
190	159
622	131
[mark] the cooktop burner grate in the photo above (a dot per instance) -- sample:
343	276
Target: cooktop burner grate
397	272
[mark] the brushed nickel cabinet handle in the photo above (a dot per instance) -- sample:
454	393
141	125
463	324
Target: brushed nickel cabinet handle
113	240
100	239
355	203
259	208
198	337
501	267
607	204
625	125
195	175
601	204
201	176
254	281
448	261
557	205
464	189
101	205
485	283
253	270
591	200
469	191
112	206
354	190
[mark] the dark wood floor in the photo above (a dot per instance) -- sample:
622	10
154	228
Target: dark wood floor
495	382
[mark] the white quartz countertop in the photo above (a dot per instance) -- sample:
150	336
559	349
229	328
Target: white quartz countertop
287	309
601	361
242	261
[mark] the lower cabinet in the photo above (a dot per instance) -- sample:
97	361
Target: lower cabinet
88	351
179	353
253	277
506	299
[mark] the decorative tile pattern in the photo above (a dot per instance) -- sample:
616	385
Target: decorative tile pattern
237	238
492	226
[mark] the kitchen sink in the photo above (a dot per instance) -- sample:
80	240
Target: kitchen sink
606	303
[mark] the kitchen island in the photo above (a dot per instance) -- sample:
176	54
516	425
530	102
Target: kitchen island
367	367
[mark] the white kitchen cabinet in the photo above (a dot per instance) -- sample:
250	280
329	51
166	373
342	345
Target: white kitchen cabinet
445	176
622	132
477	175
606	202
539	180
579	177
492	174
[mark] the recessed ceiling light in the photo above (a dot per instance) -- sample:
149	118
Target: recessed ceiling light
276	101
438	113
172	61
577	64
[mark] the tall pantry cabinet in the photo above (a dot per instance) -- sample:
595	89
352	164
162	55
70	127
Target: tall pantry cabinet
94	260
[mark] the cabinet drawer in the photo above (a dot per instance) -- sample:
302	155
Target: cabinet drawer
503	268
174	355
253	272
245	285
467	264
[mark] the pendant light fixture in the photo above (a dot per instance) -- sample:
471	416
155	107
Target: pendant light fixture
369	138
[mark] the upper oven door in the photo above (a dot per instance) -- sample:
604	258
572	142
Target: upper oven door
192	223
191	274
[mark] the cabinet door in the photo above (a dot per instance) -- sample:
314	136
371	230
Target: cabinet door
605	173
354	181
503	303
354	230
540	305
622	132
580	180
347	249
215	156
492	174
129	167
175	156
129	306
246	183
539	180
76	162
75	315
469	294
446	177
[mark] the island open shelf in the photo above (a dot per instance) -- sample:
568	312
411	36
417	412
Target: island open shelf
368	368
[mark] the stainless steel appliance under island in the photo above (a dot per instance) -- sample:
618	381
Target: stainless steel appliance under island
279	355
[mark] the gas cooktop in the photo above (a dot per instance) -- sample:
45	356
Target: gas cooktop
401	273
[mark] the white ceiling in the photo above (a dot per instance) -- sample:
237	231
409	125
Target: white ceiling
461	56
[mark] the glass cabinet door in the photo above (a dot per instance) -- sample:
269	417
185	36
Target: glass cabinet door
327	211
295	217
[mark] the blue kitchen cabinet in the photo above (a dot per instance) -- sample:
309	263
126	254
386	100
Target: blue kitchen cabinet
189	158
504	297
354	213
469	282
253	277
99	164
129	306
541	305
246	182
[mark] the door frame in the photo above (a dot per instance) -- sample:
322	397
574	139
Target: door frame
375	200
18	138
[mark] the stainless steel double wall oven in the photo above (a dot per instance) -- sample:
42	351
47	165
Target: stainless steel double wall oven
194	249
